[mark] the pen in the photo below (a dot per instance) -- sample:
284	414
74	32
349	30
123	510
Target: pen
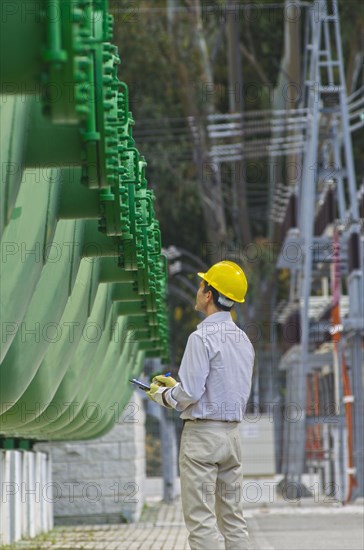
167	374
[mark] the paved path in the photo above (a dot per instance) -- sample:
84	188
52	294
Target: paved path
306	526
160	527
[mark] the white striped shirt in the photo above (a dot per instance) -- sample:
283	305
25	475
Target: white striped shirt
215	373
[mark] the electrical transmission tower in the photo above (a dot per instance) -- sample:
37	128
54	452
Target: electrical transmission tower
328	182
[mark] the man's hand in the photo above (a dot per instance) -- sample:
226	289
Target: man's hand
166	381
156	394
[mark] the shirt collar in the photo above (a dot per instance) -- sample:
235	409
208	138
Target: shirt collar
218	317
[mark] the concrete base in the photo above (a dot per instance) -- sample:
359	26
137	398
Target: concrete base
102	480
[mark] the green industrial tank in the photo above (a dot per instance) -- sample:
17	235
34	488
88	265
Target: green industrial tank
83	276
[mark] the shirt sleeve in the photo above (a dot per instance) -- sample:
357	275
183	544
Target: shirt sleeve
192	373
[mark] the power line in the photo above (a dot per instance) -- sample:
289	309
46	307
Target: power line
133	10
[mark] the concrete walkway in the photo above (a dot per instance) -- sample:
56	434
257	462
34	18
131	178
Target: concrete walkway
160	527
305	525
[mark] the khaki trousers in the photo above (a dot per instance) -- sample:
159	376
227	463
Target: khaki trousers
211	485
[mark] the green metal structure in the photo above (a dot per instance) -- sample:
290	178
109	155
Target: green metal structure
83	276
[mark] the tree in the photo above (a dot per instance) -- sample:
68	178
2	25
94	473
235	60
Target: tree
189	28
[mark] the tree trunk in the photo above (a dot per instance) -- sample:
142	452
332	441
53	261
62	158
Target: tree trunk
209	180
240	215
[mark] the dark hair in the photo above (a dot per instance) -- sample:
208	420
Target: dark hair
215	297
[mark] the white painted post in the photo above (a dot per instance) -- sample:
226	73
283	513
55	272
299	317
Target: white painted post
31	498
4	508
15	514
49	494
24	496
38	505
43	491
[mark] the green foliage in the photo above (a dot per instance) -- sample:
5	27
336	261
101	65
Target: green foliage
156	103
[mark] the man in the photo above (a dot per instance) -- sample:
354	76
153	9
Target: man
215	382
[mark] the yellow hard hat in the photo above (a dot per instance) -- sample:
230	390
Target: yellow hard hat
227	278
